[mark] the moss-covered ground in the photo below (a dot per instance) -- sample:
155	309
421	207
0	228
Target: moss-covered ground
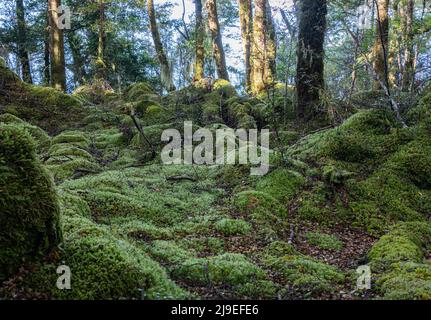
133	228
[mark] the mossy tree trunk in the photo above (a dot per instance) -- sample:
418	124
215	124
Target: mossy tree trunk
165	70
271	42
246	24
260	78
200	36
58	70
218	50
310	63
100	63
381	44
408	37
22	42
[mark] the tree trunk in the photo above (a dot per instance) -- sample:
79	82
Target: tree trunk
100	63
58	70
200	35
381	45
246	23
260	77
166	75
271	42
46	55
79	73
22	42
408	37
310	64
218	50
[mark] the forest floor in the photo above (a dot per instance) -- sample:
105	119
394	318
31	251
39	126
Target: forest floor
336	199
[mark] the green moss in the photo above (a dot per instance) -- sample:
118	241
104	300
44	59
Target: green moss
407	281
77	137
138	91
104	267
67	169
228	269
324	241
233	227
41	138
262	289
263	210
204	245
406	242
281	184
169	252
137	229
146	193
72	204
29	210
304	275
224	88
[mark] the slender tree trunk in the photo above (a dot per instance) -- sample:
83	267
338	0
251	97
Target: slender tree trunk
200	35
22	42
260	76
218	50
409	54
79	73
100	63
166	75
46	55
58	70
271	42
246	23
310	64
394	47
381	45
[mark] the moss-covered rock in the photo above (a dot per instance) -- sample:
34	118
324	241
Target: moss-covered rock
46	107
29	209
233	227
228	269
406	242
305	276
281	184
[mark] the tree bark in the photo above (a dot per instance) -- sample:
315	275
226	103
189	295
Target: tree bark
22	42
310	63
46	55
58	70
408	37
218	50
381	44
260	77
165	70
271	42
246	24
200	35
100	63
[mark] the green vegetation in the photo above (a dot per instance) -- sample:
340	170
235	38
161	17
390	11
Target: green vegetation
30	214
324	241
128	226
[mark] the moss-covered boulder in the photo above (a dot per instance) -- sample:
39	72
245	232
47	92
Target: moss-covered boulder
29	209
